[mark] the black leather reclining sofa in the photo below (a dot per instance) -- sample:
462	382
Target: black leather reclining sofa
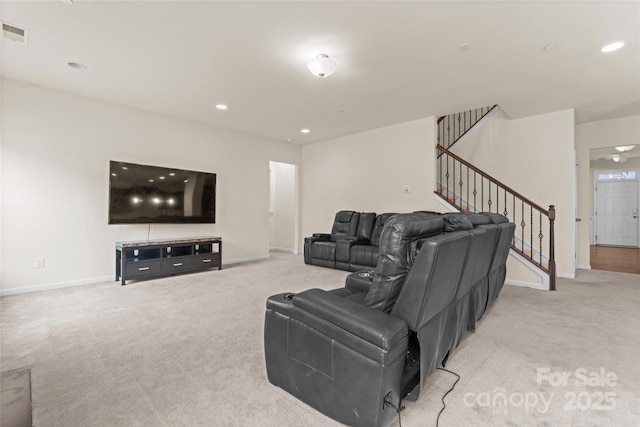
352	244
356	352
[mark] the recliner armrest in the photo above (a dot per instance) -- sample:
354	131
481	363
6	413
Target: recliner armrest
355	240
343	247
330	314
322	236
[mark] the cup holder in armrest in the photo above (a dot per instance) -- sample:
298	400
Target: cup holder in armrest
281	303
365	274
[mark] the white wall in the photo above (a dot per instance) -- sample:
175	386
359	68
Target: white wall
283	212
368	172
600	134
534	156
55	157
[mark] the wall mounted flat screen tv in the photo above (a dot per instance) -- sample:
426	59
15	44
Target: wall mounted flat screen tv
140	194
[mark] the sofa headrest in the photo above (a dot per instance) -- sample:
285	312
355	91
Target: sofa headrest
478	218
344	216
344	225
495	217
456	222
397	247
379	225
365	225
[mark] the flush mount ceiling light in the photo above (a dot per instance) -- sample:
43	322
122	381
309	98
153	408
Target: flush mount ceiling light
322	66
619	158
611	47
305	130
549	47
624	148
221	106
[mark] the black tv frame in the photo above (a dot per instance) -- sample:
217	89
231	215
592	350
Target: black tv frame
160	187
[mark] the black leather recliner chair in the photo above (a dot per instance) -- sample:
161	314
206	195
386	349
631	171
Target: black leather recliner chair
485	293
353	353
362	238
365	255
320	249
351	252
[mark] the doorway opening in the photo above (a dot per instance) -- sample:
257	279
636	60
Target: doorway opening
615	227
283	207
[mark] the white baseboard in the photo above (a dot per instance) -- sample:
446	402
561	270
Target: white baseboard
440	200
58	285
240	260
584	267
287	250
566	275
539	286
94	280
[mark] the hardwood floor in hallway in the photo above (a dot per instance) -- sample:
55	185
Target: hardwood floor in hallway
613	258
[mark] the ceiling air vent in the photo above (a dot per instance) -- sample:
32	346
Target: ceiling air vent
14	33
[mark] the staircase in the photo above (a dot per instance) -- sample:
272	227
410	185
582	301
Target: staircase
466	188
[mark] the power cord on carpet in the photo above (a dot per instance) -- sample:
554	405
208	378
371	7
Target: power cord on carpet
444	405
398	408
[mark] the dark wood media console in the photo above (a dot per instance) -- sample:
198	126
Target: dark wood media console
140	259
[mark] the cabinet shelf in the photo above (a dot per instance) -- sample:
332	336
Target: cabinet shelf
141	259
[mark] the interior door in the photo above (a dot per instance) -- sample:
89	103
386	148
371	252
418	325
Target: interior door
617	213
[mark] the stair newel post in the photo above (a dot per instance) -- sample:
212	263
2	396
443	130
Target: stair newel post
552	254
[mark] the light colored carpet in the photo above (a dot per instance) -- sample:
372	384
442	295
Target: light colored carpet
188	350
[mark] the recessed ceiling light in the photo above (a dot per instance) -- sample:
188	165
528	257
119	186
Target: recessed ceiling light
611	47
69	2
550	46
221	106
77	65
464	47
291	140
305	130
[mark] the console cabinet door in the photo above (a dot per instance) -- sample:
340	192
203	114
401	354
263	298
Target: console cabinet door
143	268
206	261
174	265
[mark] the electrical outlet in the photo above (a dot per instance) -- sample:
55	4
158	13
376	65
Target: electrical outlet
38	262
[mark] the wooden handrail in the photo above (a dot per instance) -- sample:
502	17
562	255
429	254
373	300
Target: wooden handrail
477	120
490	178
550	267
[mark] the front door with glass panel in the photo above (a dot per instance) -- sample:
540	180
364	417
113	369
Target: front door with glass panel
617	213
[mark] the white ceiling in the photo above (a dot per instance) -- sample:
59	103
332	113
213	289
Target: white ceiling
397	61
